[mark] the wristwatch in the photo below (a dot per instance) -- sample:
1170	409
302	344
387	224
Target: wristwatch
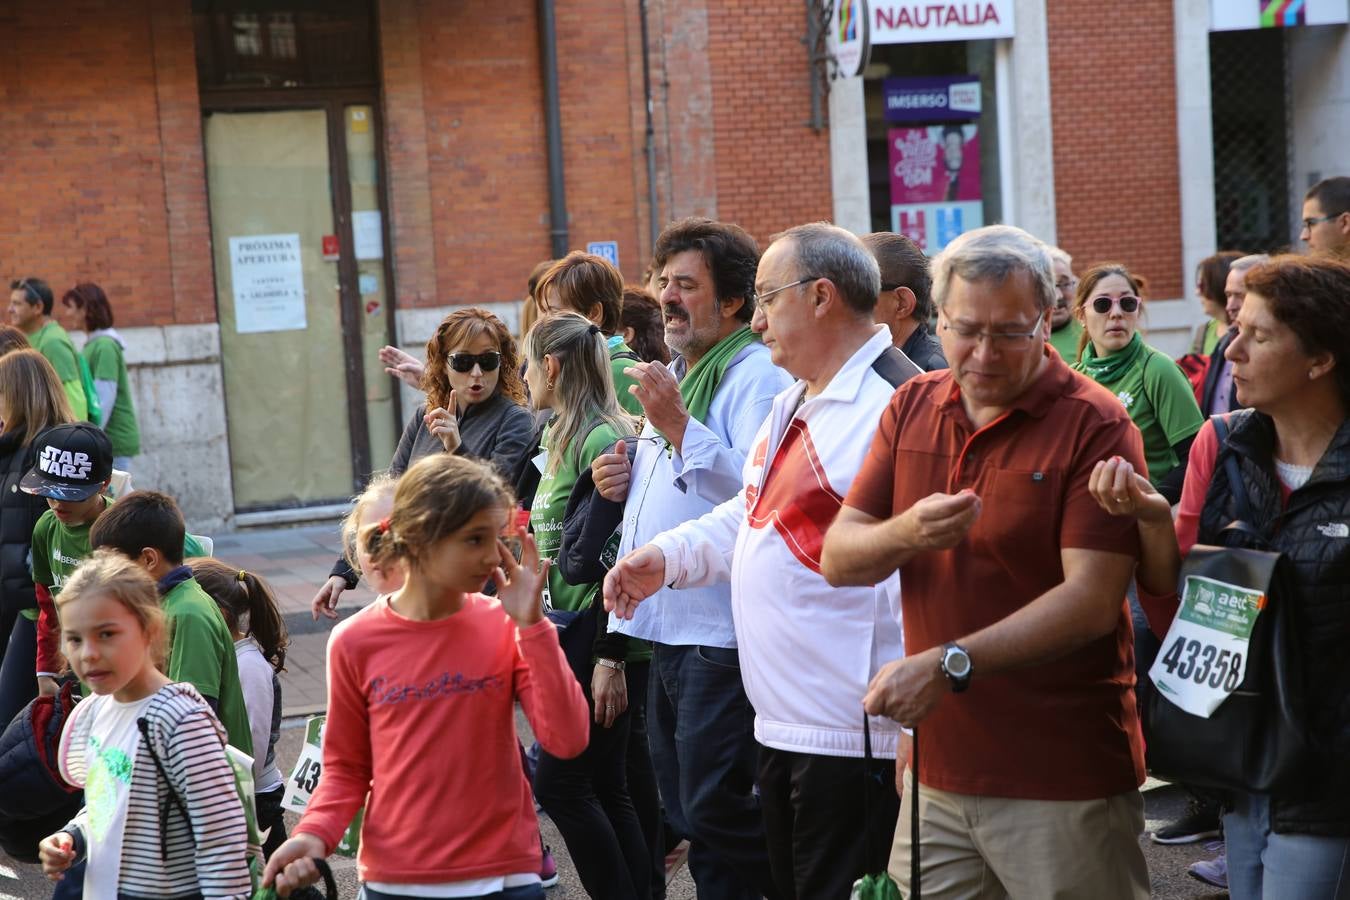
955	664
617	665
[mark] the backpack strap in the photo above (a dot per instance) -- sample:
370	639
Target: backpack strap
894	367
1236	486
144	725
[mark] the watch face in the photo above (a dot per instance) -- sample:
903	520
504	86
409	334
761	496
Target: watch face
957	663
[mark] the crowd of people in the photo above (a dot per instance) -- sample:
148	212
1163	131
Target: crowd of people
830	559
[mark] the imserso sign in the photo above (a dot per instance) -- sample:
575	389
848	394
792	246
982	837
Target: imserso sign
898	22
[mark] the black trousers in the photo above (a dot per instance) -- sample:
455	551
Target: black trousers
815	819
587	798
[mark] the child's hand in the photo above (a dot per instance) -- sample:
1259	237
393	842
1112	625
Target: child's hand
56	853
291	867
520	585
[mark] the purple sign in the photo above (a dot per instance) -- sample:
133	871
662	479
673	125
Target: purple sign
936	98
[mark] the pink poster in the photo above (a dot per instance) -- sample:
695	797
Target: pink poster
934	164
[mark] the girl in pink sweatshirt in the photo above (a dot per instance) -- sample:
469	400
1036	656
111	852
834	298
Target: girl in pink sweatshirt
421	691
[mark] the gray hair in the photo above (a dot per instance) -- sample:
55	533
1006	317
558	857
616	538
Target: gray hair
1060	255
828	251
1244	263
994	254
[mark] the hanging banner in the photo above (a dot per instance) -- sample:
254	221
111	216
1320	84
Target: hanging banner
932	98
269	286
897	22
935	183
1242	15
846	36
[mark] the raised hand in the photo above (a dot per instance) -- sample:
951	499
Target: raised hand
444	424
403	366
633	579
659	393
1122	491
520	585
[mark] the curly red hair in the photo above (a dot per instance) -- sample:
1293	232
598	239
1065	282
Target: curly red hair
457	330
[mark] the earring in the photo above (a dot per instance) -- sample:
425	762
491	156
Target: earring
549	385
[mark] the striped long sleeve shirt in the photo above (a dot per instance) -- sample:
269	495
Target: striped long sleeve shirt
206	853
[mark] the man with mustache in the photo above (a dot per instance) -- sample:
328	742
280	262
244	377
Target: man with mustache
702	414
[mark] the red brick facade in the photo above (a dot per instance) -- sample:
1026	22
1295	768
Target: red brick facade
1113	104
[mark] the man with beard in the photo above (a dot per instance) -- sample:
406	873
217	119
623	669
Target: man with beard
702	414
1064	328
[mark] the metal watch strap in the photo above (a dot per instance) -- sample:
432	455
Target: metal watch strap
617	665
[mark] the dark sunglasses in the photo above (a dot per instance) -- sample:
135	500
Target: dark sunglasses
1128	304
464	362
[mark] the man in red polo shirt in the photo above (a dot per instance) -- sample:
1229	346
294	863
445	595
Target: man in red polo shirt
1019	673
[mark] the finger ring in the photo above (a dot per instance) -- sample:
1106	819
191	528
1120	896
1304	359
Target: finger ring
609	708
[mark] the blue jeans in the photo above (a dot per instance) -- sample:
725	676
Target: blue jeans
527	892
1263	865
701	732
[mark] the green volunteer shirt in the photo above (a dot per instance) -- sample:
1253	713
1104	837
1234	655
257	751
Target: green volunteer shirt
621	356
201	652
107	363
52	342
1156	394
1065	341
550	502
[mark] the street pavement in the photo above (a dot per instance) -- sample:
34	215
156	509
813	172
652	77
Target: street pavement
296	561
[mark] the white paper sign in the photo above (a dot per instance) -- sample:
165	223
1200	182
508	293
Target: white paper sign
366	234
269	284
1204	656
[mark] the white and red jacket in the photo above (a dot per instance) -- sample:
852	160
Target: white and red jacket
807	650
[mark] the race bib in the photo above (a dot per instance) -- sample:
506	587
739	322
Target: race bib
1204	656
305	776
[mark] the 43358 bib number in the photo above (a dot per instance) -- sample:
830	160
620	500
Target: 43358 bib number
1205	664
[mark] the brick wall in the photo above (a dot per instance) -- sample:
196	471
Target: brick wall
101	175
772	170
1113	103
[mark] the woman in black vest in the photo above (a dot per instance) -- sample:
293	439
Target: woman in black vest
31	401
1291	366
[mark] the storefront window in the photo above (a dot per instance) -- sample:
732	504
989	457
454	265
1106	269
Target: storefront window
932	139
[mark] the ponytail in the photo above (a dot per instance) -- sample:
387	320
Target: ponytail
245	599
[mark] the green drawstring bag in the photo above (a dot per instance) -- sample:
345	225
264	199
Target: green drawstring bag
879	885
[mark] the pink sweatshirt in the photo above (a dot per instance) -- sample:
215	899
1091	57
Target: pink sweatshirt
422	715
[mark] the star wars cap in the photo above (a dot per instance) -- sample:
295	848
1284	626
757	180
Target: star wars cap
73	462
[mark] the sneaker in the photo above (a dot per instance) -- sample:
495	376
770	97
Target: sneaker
548	871
675	859
1200	821
1211	871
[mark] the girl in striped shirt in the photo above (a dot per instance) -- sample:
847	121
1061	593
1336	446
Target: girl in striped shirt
161	815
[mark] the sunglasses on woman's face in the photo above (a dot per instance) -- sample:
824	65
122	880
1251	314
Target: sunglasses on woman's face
1128	304
464	362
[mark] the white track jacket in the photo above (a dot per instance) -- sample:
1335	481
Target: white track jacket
807	650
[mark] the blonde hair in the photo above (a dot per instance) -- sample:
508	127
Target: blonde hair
108	572
31	394
434	499
380	486
585	388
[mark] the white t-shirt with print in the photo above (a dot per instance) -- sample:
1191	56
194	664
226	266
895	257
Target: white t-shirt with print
110	757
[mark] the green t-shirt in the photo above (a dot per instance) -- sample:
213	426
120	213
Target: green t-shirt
1065	341
52	342
201	652
550	502
621	356
107	363
1214	332
1156	394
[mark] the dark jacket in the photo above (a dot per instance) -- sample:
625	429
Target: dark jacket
1313	532
924	349
19	512
1211	384
497	431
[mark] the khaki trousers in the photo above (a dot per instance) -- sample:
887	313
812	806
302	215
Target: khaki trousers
994	847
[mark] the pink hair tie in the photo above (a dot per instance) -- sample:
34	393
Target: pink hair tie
384	525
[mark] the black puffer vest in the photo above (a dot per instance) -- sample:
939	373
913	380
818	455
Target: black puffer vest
1313	532
19	512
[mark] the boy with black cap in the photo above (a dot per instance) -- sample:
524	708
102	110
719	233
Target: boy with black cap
74	466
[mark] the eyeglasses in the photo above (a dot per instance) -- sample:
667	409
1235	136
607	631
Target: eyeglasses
1128	304
1066	284
464	362
1006	338
760	298
1309	224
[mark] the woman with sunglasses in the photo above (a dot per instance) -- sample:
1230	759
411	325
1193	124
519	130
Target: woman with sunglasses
474	407
1152	387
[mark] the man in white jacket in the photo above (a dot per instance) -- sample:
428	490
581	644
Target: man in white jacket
807	650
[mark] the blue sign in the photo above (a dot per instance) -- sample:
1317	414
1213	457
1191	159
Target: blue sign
606	250
938	98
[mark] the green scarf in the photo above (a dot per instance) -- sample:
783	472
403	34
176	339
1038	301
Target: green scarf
701	382
1107	369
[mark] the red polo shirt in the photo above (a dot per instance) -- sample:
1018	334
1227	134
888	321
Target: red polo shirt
1063	730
